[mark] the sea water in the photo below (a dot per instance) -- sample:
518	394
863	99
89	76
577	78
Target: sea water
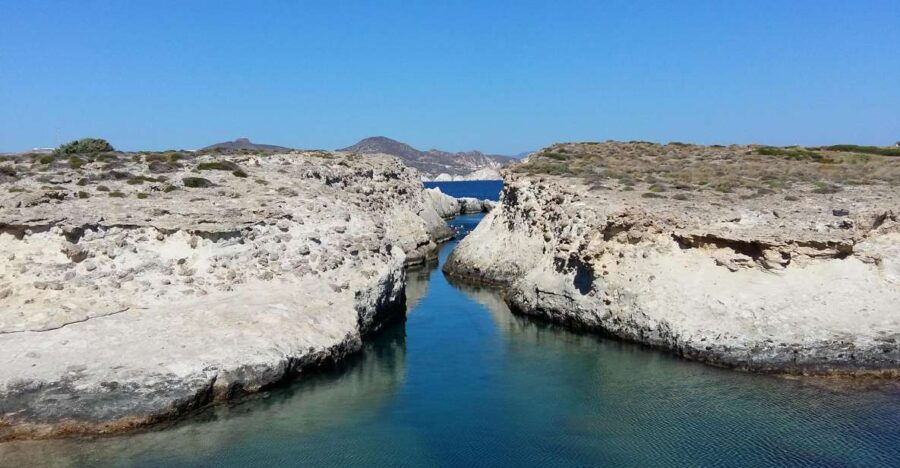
463	382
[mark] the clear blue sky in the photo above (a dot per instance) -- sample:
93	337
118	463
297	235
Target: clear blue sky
502	77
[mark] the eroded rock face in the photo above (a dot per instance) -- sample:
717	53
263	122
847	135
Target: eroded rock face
119	311
798	284
487	173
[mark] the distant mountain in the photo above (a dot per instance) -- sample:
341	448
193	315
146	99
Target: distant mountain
244	144
432	162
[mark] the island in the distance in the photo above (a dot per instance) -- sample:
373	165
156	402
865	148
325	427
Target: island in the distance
435	164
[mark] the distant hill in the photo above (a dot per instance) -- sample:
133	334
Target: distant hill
523	154
432	162
244	144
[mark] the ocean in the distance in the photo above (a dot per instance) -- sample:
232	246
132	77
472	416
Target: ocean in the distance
480	189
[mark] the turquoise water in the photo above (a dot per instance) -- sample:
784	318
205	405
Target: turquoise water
465	383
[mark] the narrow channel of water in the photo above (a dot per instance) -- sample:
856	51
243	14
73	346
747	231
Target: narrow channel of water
465	383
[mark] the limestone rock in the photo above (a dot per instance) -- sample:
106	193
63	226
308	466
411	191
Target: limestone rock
447	206
88	311
731	284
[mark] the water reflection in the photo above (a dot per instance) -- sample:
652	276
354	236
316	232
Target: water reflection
466	383
351	394
620	403
417	279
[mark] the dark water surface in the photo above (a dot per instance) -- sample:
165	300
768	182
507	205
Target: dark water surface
464	383
480	189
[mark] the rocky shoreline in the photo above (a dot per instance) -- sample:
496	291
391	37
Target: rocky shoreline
794	281
448	206
137	288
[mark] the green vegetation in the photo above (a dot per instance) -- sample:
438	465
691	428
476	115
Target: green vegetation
85	146
138	180
197	182
222	166
16	190
166	157
169	188
107	157
217	166
822	187
84	195
157	167
142	195
118	175
102	188
75	162
116	194
790	153
880	150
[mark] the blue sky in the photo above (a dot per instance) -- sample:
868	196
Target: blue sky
502	77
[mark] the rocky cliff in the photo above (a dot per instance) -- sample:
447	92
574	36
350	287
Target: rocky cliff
137	287
480	174
773	271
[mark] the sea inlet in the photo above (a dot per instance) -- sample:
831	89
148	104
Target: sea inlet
463	382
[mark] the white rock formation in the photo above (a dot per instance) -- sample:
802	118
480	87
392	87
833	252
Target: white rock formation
486	173
129	297
447	206
763	284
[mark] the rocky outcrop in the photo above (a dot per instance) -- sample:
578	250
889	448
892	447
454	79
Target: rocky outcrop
135	288
481	174
448	206
806	283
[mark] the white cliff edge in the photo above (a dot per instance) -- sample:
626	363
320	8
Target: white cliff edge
804	287
133	292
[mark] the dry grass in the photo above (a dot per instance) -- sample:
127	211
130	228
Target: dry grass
752	170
